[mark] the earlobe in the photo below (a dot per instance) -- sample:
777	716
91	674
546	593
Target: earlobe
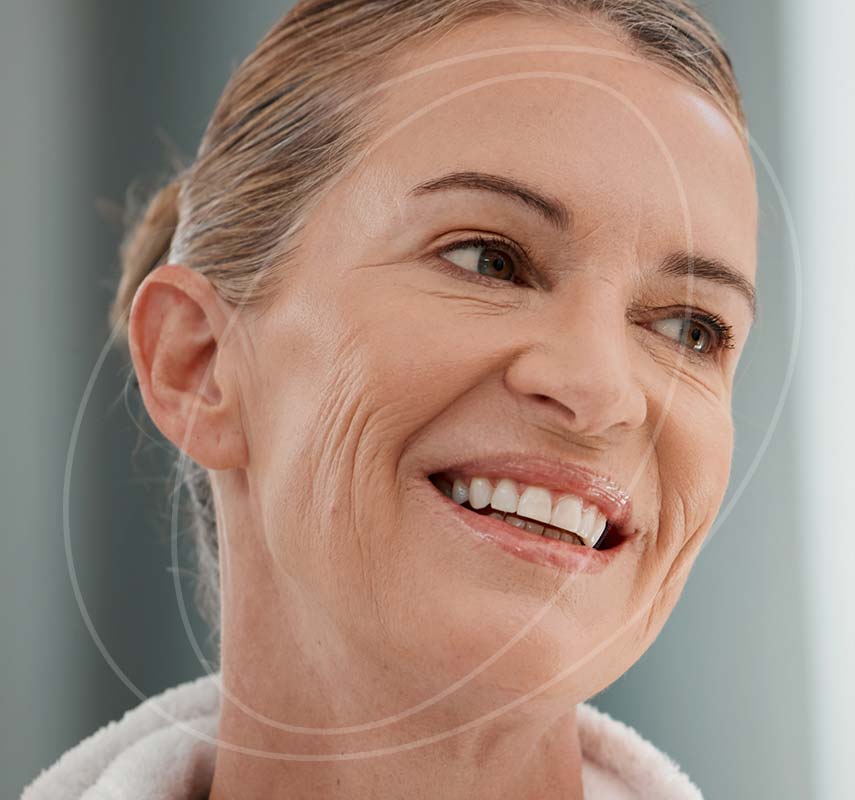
175	332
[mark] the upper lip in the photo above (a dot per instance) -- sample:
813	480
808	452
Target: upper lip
558	475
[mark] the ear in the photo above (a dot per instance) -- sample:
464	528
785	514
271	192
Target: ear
175	333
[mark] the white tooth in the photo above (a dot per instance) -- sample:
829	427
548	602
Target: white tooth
459	491
535	503
505	496
599	527
567	513
480	492
588	523
533	527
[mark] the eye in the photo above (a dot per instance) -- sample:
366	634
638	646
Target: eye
490	258
699	332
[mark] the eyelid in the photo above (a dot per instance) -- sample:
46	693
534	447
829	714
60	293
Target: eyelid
721	331
525	262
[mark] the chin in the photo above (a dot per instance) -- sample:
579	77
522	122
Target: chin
505	643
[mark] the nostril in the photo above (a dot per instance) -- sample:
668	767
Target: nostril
553	403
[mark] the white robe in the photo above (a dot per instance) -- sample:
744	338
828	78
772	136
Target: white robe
165	749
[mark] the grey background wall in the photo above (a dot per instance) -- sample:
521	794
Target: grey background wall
86	89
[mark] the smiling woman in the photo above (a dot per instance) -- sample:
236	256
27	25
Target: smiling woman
446	315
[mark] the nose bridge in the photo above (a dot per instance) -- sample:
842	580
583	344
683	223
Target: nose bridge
580	358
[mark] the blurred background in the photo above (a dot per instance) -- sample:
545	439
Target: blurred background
748	687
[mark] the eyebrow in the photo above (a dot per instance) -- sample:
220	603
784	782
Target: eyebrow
550	208
555	212
715	270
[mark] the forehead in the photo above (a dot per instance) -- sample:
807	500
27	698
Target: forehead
635	151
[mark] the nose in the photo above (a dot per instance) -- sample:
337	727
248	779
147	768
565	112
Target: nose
579	362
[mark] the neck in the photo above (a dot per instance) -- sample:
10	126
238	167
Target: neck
485	762
287	663
314	681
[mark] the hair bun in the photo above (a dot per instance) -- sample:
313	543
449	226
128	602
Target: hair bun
145	245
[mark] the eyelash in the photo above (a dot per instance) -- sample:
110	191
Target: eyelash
722	332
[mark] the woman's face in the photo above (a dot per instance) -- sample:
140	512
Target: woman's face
385	358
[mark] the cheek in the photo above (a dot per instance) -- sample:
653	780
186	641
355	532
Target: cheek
345	375
694	452
396	353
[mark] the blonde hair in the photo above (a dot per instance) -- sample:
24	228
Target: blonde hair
286	125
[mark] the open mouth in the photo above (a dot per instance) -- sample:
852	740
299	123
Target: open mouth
533	509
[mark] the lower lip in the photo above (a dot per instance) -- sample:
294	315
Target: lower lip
533	547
